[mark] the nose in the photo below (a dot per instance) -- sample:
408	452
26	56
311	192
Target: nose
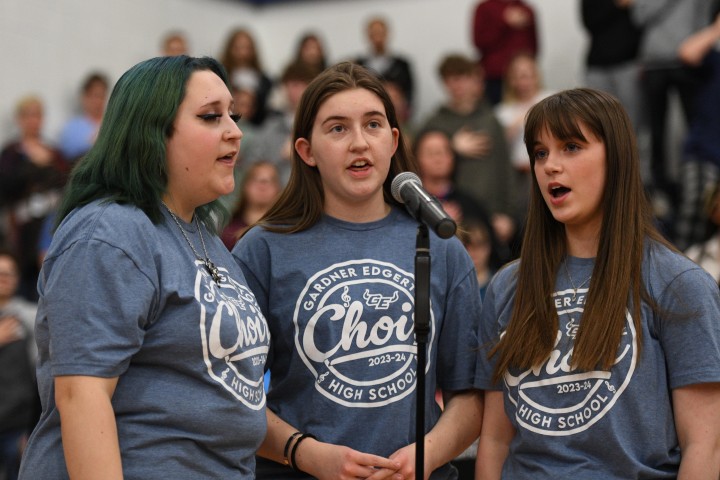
551	164
359	142
233	132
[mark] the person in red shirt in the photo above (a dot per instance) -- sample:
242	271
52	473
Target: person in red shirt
501	29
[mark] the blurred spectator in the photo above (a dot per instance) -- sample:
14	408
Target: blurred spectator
258	191
174	43
402	109
245	107
666	23
436	163
522	90
611	60
79	133
707	252
700	170
241	60
32	176
501	29
476	236
274	138
19	402
382	59
483	163
310	51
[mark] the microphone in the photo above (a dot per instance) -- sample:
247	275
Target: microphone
407	188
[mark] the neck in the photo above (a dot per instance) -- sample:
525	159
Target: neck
185	213
253	213
483	275
463	107
582	244
359	214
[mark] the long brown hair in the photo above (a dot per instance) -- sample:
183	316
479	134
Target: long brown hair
229	61
627	223
300	205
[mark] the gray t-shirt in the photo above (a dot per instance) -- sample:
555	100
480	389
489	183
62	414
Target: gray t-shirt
339	300
615	424
122	297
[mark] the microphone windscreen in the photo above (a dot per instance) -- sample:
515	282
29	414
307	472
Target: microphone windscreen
400	180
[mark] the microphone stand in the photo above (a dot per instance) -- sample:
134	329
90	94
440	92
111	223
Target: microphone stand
422	328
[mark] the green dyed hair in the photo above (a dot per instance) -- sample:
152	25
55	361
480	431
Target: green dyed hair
128	164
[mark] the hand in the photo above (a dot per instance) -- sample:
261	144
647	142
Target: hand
10	330
326	461
517	17
471	143
38	153
406	458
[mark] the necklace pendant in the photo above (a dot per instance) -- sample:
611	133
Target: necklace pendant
212	270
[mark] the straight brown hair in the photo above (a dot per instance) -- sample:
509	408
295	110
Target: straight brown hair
301	203
627	224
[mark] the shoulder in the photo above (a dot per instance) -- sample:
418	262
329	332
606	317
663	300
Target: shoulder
665	269
254	244
122	226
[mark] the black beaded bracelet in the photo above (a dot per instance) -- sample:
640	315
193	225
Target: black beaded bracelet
287	447
295	447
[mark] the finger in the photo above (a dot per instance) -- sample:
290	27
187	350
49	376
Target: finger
383	474
378	462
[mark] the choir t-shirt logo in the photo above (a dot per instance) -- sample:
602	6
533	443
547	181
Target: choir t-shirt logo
555	400
354	331
235	336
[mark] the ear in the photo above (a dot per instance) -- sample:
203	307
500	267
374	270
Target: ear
396	140
303	148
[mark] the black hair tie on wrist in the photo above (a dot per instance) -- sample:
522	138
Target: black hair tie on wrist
295	447
287	447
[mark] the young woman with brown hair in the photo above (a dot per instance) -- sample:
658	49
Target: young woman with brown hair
603	340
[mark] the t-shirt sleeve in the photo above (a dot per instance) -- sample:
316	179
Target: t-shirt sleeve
489	331
689	329
457	346
252	254
97	303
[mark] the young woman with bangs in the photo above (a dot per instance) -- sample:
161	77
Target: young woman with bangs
601	344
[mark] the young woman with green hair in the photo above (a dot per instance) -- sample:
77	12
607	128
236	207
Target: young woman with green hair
151	345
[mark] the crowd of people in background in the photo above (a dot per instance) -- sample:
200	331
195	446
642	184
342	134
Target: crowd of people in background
470	150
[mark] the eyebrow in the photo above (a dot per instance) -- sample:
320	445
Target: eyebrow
218	102
370	114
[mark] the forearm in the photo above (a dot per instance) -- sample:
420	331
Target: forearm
695	47
697	421
318	459
88	428
700	462
458	426
491	456
278	433
497	433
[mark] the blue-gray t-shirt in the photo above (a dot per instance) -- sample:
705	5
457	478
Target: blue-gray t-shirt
339	299
123	297
615	424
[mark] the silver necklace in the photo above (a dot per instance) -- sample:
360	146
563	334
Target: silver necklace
209	265
575	289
